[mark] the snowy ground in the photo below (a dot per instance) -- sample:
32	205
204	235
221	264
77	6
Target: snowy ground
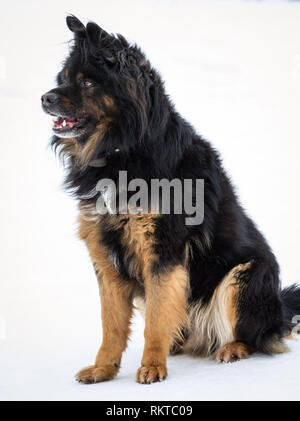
233	69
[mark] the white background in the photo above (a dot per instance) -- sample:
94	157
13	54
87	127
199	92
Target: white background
233	70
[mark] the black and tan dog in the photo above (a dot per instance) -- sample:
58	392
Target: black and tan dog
211	289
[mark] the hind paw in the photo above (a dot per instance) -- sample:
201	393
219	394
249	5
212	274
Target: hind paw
233	352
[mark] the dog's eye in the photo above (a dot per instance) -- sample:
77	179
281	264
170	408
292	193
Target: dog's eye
85	83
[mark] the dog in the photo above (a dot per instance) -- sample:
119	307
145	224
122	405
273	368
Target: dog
210	288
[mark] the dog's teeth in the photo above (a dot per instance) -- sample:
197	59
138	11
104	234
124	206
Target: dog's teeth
64	123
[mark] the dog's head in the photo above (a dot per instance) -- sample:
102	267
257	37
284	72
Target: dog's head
103	88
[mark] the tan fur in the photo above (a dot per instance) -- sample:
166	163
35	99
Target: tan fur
212	326
188	254
83	153
116	308
232	291
69	147
88	212
89	147
234	351
202	245
290	337
108	102
137	240
137	236
209	327
99	109
166	297
275	346
79	76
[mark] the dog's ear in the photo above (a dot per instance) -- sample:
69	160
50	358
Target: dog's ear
96	34
76	26
102	44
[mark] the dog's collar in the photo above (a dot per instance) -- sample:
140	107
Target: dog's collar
98	163
101	161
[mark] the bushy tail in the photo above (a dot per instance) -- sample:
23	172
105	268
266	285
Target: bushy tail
290	297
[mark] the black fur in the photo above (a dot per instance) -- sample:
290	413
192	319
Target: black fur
290	297
154	141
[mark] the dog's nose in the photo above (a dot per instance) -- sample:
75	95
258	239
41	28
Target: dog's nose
50	98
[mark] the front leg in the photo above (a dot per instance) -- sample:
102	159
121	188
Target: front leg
166	296
116	307
116	312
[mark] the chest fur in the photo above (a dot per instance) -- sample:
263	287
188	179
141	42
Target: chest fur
128	240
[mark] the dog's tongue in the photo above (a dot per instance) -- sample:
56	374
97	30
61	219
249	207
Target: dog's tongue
65	122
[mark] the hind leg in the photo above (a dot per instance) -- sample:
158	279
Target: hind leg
255	312
237	349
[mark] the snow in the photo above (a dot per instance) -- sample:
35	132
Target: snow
233	70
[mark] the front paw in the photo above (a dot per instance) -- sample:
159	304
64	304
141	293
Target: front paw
96	374
150	374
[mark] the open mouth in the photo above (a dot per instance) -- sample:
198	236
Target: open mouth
67	124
